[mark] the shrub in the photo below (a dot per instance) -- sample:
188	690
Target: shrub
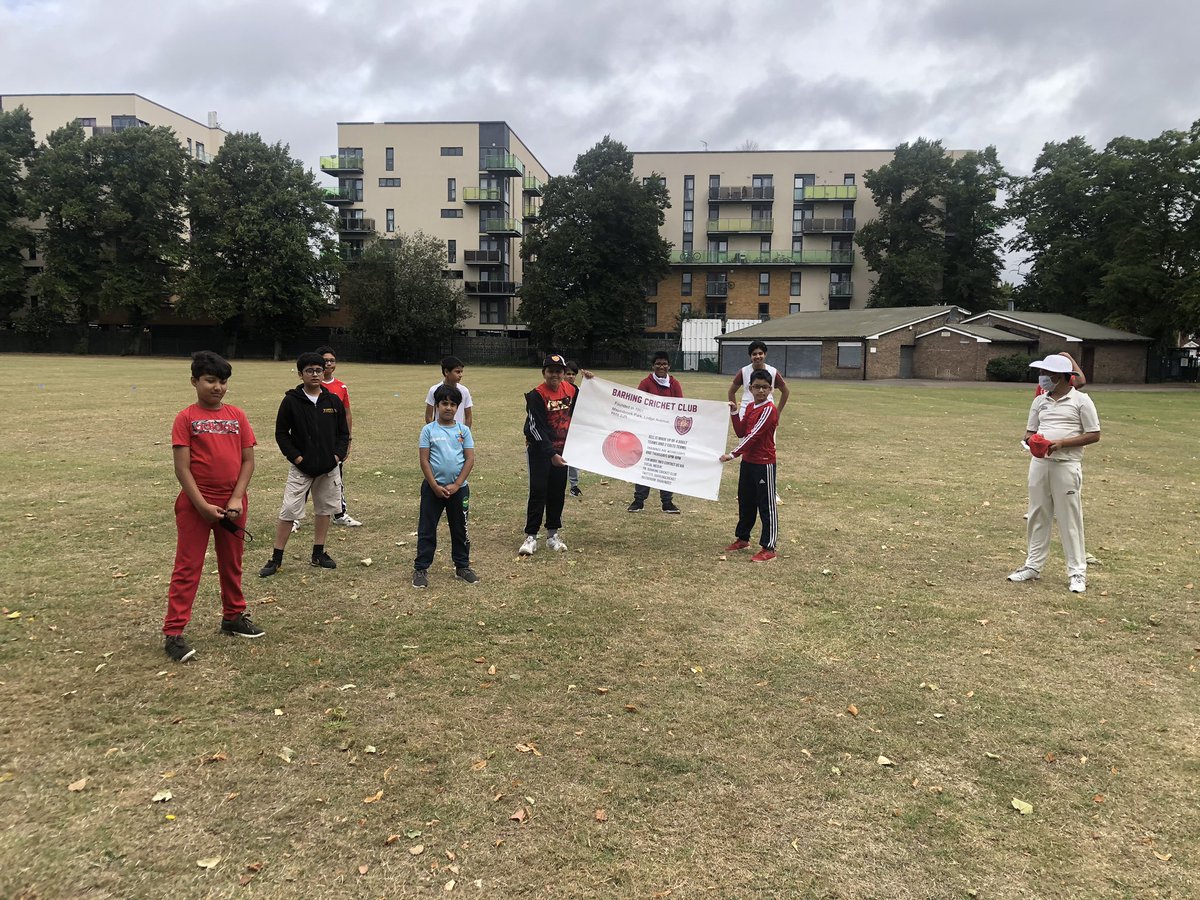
1011	368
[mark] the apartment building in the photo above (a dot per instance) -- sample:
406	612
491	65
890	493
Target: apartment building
761	234
472	185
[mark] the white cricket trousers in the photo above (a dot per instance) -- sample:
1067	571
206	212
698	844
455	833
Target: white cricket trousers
1056	493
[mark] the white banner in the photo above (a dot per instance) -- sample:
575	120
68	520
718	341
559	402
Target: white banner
664	442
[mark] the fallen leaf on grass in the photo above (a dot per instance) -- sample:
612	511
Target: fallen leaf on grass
992	755
884	761
601	816
15	614
491	670
601	690
208	862
529	747
1050	757
479	765
366	562
244	880
852	709
120	575
413	833
287	754
370	748
1022	807
161	797
629	707
374	797
519	816
449	886
254	867
391	839
219	756
416	850
1164	857
77	786
1099	798
363	869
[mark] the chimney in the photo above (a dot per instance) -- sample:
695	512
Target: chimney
212	120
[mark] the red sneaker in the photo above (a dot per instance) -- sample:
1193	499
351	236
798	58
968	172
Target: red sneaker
737	545
763	555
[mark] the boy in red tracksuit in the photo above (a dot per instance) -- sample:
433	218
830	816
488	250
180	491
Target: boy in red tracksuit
756	481
213	447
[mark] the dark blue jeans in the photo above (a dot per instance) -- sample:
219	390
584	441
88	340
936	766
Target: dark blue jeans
456	507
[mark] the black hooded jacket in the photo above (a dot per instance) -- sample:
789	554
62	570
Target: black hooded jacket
317	432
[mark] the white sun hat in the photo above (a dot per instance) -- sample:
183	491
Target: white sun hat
1053	363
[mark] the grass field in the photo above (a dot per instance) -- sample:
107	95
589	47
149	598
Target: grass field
666	721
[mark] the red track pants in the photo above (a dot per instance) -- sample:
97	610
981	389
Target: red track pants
190	547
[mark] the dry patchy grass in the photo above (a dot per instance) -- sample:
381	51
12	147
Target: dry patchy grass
700	702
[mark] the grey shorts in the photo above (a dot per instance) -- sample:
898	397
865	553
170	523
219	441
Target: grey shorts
326	493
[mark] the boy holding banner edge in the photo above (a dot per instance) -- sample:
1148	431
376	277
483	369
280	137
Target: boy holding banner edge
756	480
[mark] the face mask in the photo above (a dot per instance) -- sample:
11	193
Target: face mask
1046	383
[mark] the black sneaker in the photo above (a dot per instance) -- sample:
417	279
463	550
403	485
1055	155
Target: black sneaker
575	491
420	578
671	509
270	568
636	506
466	574
324	561
177	648
242	627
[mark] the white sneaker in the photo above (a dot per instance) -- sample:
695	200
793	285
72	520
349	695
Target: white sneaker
1077	584
1025	574
554	542
295	526
529	546
346	519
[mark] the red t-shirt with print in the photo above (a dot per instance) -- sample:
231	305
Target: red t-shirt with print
558	410
216	439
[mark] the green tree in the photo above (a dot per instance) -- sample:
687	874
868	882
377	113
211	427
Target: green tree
399	300
142	172
65	191
973	219
593	252
264	255
16	153
905	245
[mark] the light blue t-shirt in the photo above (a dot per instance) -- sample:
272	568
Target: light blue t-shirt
446	446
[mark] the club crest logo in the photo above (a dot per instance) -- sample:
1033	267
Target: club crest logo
683	424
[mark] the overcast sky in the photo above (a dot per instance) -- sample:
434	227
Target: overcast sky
655	74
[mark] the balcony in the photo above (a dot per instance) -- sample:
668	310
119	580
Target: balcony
743	194
532	185
777	258
342	165
501	163
841	289
826	192
741	226
823	226
490	288
482	257
203	157
501	227
531	212
481	195
357	226
338	195
716	289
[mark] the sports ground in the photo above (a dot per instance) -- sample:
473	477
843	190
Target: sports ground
642	716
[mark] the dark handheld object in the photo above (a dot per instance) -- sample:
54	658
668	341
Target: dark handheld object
232	527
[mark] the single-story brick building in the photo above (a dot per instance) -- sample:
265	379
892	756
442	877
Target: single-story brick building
961	352
1106	355
844	343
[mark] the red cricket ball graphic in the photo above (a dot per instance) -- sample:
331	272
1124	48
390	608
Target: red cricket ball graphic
622	449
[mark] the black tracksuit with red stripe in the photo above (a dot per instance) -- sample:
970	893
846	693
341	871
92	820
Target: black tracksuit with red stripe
756	479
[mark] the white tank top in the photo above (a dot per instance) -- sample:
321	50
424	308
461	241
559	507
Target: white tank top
747	397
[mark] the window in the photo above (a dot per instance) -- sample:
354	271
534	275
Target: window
849	355
764	284
199	150
799	182
685	309
389	182
848	179
689	188
685	286
389	159
451	251
764	246
120	123
797	244
794	286
687	244
451	189
189	140
91	123
764	311
452	151
390	219
351	189
714	183
715	309
793	308
647	181
491	312
651	315
652	288
452	213
688	221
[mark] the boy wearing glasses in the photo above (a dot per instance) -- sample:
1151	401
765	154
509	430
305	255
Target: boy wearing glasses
662	383
313	434
337	386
